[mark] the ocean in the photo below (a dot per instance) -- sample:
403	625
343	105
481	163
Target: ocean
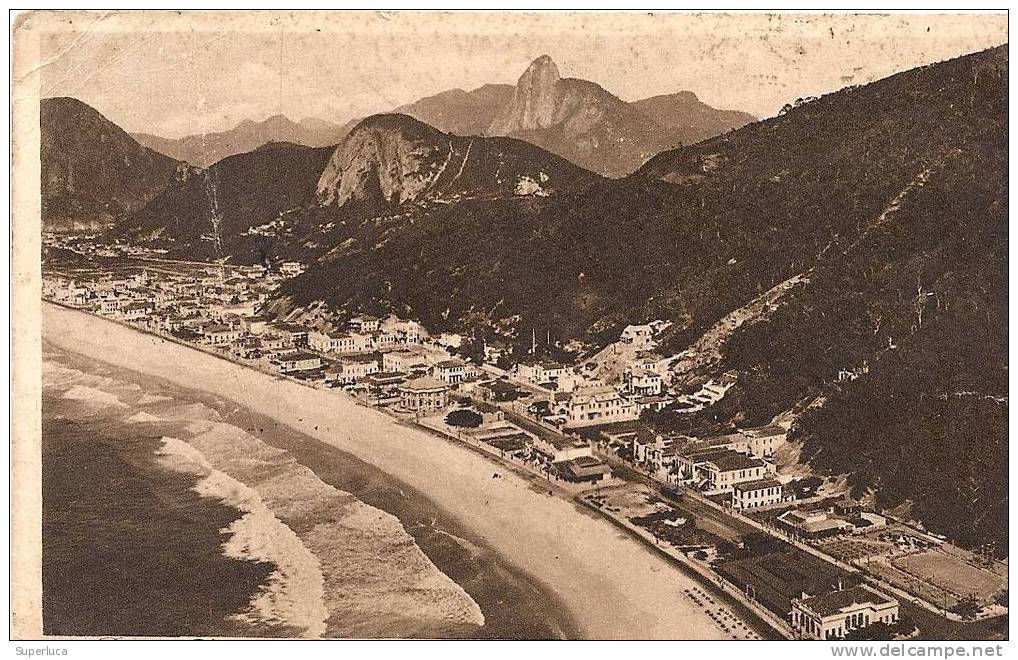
168	512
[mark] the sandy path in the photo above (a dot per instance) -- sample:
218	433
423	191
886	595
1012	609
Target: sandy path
613	586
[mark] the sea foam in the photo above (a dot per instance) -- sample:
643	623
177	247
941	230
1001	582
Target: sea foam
293	595
378	582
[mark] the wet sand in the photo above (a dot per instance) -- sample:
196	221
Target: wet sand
611	585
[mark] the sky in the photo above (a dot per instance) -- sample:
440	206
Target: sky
175	74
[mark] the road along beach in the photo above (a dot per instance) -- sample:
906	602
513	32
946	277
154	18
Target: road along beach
612	585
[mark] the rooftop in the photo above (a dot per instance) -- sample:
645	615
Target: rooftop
424	384
844	600
758	484
727	460
300	356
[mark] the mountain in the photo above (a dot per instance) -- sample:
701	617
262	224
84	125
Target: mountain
688	119
206	148
389	161
459	112
578	120
861	233
93	172
218	211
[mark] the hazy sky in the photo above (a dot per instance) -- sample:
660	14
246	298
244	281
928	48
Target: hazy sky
174	74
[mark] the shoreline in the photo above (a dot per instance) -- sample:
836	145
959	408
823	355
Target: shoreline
626	591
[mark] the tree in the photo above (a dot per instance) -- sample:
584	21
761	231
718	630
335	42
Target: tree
464	417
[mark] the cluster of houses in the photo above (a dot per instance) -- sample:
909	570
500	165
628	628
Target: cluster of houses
825	519
387	361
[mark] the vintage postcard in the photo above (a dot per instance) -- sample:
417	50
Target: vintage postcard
509	325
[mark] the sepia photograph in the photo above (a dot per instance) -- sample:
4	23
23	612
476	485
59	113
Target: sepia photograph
510	325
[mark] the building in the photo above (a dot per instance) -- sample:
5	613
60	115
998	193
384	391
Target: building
584	469
291	268
753	494
814	524
640	382
640	336
559	448
599	404
833	615
352	368
452	371
330	342
218	334
364	324
655	403
136	311
406	360
297	335
298	361
718	470
274	342
424	395
539	371
495	351
406	331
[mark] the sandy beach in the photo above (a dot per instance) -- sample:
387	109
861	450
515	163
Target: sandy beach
613	586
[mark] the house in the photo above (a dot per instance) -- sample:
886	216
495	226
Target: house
452	371
364	324
350	369
495	351
814	524
423	395
112	305
406	360
598	404
384	340
584	469
655	403
297	335
136	311
760	442
718	470
833	615
407	332
539	371
291	268
640	382
761	492
559	448
640	336
274	342
450	340
298	361
218	334
330	342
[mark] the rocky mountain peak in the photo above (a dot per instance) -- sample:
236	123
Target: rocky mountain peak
535	100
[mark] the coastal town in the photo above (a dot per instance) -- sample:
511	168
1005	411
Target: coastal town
732	510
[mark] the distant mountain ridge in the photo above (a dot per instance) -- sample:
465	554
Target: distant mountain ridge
93	172
573	118
577	119
205	149
458	112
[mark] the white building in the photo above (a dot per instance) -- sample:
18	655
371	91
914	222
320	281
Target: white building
539	371
753	494
640	336
599	404
835	614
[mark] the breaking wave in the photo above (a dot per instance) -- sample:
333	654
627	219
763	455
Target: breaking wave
293	595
